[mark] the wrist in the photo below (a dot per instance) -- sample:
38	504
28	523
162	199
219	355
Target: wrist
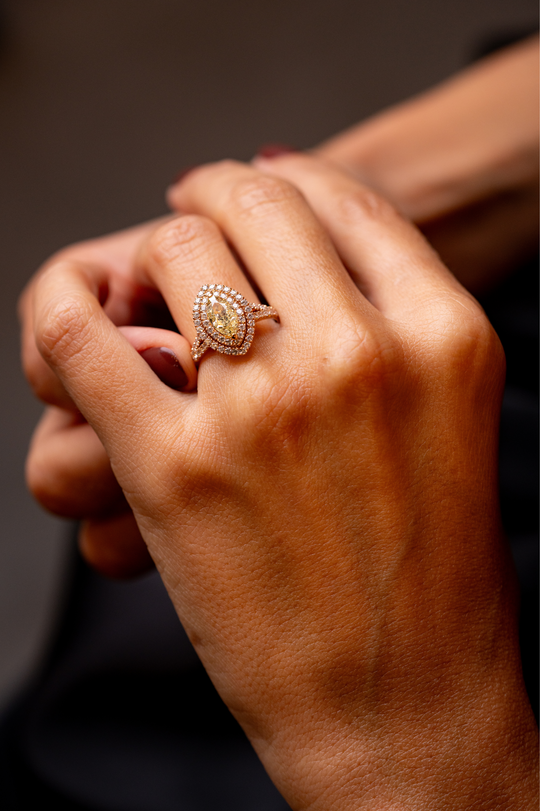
471	137
458	736
481	755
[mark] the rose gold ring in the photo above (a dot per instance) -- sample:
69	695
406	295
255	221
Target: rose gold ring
225	321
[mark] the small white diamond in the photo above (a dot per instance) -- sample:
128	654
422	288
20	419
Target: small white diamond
204	287
219	287
226	289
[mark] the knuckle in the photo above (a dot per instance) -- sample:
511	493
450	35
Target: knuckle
363	361
463	340
61	329
271	416
277	401
277	415
249	196
362	203
187	235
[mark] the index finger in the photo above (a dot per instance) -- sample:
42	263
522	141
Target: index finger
115	255
110	383
43	381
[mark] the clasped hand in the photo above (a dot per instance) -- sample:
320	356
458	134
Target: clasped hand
324	510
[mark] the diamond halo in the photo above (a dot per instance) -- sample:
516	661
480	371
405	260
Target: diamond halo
225	320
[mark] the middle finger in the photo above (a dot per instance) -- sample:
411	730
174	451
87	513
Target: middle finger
280	240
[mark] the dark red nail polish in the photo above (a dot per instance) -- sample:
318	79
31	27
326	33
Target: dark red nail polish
275	150
181	175
165	365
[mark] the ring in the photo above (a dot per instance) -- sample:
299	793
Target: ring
225	321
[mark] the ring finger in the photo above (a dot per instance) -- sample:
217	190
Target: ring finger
287	250
183	255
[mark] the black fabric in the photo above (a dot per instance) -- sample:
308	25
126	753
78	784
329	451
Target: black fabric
513	310
123	716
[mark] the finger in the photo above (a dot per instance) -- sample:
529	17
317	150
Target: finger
167	353
45	384
184	254
276	233
128	302
107	379
68	470
388	258
114	546
69	473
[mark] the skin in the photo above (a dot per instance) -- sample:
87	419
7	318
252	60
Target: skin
68	469
331	497
378	544
460	160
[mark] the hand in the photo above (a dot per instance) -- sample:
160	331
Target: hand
323	511
68	470
462	162
474	195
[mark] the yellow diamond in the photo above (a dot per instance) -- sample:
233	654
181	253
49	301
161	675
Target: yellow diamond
222	317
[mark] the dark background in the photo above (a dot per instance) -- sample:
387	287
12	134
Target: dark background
102	102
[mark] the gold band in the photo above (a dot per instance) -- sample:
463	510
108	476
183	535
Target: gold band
225	320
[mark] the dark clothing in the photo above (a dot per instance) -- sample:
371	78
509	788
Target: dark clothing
123	716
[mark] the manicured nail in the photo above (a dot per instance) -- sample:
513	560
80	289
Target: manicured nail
275	150
181	175
165	365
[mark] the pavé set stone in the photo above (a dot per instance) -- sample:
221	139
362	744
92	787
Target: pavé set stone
225	321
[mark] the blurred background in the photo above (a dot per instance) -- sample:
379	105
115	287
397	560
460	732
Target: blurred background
103	102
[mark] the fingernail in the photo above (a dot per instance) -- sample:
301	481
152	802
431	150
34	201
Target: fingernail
181	175
275	150
166	366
